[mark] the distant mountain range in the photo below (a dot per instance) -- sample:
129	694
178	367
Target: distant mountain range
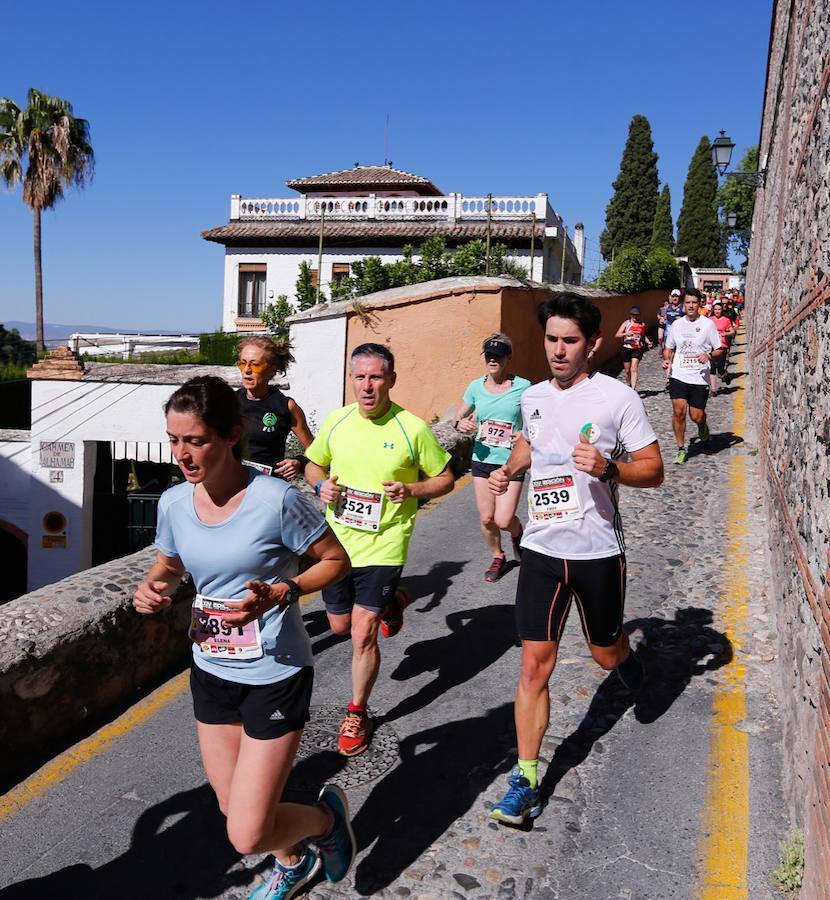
53	333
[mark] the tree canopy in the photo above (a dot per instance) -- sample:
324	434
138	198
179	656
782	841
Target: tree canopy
662	233
629	216
698	228
46	148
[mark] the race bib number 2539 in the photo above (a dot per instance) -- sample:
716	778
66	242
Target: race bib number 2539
554	499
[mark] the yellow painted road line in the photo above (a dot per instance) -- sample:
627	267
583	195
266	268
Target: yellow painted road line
725	840
61	767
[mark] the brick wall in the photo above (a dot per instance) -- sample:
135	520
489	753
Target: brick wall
788	324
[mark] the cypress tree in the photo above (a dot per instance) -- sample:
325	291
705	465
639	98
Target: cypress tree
629	216
698	229
662	234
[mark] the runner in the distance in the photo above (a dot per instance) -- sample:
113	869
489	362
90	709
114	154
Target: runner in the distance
577	429
669	314
491	409
269	415
690	347
635	340
240	535
726	330
371	463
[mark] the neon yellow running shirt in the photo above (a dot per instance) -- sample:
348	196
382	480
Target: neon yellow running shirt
363	453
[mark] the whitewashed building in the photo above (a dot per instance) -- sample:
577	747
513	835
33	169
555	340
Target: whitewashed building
374	211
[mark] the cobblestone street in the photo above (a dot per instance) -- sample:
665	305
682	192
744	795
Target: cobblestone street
662	798
625	782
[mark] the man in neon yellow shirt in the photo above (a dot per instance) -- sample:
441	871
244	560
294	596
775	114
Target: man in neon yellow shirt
371	463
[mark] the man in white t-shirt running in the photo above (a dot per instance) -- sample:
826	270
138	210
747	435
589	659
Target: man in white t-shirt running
691	344
577	430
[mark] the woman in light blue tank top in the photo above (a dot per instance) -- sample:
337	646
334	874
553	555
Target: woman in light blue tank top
240	535
491	409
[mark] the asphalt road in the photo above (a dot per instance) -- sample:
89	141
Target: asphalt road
627	784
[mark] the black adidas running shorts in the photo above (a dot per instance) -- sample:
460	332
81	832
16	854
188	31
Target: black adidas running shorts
266	711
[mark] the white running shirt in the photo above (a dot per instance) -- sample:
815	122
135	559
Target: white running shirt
572	515
689	340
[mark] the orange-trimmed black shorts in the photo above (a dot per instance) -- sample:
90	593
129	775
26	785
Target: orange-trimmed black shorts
549	585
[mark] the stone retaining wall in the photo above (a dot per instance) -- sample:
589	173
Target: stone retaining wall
76	650
788	324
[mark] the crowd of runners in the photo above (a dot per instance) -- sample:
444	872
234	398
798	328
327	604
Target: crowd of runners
254	544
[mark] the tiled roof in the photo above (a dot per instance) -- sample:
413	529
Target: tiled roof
307	233
383	177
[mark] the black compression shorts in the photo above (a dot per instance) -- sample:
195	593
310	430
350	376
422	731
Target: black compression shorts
548	585
371	587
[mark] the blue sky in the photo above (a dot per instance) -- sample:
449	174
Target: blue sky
191	102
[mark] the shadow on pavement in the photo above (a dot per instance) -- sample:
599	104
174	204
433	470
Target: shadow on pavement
476	639
436	582
179	849
674	651
442	772
717	443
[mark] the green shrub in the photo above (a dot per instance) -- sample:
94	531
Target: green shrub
218	348
628	274
275	315
790	874
663	270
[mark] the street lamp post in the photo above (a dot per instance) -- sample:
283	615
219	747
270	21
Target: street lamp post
722	148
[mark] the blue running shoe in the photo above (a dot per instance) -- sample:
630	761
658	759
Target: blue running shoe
520	803
285	882
338	847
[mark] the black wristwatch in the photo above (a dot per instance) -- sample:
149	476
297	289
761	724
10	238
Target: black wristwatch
609	472
293	590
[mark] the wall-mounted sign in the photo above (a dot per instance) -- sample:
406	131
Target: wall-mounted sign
56	476
57	455
54	525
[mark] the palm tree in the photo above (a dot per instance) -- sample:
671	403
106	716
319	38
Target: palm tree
47	149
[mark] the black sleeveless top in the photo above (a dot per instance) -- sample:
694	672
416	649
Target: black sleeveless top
267	426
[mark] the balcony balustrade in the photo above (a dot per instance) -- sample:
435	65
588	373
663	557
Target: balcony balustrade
452	207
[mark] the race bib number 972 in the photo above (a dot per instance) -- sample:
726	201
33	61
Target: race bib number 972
554	499
495	433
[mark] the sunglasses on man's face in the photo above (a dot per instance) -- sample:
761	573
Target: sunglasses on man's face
258	367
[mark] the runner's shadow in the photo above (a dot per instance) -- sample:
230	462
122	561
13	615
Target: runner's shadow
434	584
717	443
179	849
476	639
651	392
316	623
442	772
674	651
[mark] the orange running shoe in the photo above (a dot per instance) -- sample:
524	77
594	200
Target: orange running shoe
355	733
391	619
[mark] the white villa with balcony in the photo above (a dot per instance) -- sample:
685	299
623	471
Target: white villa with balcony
374	211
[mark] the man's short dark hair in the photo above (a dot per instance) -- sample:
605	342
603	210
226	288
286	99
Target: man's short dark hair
572	306
378	350
693	292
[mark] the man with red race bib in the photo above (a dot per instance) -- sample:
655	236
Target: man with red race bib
583	435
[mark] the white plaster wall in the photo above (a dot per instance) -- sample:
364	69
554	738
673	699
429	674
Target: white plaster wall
80	413
283	268
15	483
317	376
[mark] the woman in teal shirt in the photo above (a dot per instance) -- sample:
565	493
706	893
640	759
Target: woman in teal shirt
491	409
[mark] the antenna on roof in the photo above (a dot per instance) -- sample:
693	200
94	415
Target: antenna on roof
386	160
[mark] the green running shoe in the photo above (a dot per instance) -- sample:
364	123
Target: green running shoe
680	456
703	433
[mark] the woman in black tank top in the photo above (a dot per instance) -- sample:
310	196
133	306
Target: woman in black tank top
269	415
